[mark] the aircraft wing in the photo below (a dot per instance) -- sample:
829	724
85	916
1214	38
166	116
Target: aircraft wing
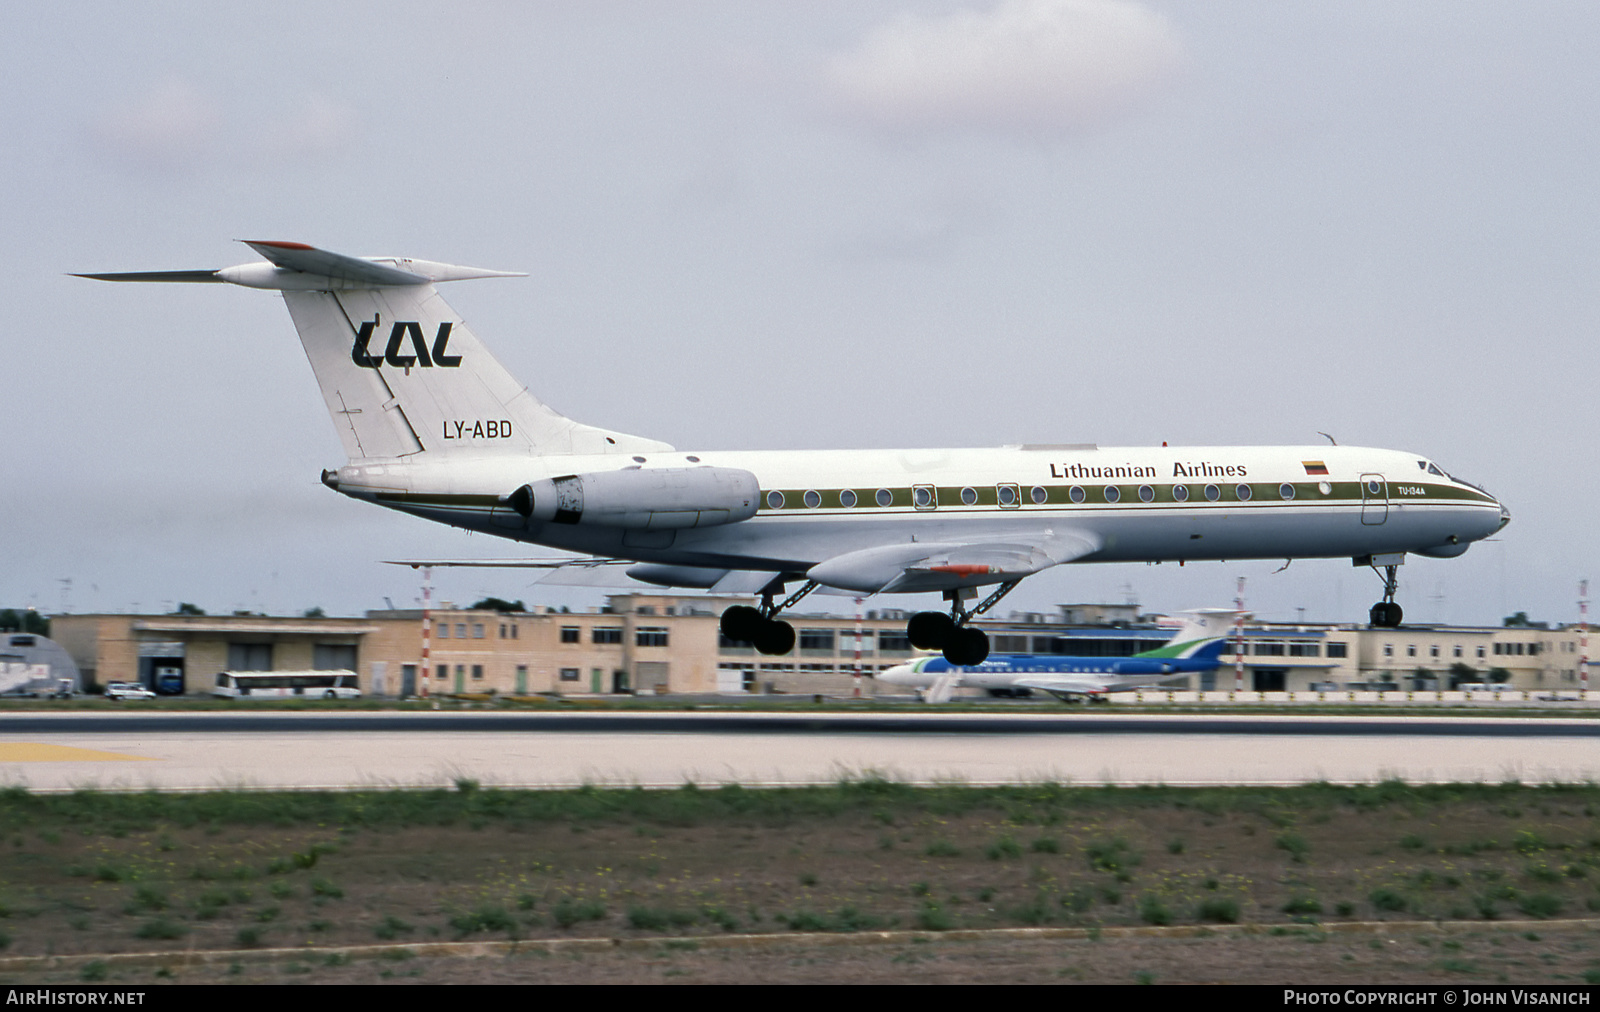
910	567
579	563
620	574
916	567
1068	685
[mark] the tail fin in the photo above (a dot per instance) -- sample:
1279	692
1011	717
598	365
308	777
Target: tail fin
400	371
1201	627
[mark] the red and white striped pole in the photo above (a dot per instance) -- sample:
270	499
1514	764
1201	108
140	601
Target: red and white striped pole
427	627
1583	635
1238	639
858	649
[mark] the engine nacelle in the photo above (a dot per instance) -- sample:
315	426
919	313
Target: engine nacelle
661	498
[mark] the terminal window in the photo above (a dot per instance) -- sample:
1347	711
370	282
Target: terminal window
816	639
249	656
890	642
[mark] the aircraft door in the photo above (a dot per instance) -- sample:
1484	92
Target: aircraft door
1374	499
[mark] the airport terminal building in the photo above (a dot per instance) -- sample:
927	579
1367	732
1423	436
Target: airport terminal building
651	643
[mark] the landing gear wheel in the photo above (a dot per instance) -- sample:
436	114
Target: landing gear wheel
967	647
742	623
775	637
1386	615
930	630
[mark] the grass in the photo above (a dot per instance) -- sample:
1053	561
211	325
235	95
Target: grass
490	917
87	871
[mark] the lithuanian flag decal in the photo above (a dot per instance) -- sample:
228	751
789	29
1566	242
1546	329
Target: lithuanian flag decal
1315	467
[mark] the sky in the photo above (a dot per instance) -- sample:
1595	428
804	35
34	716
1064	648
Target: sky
873	223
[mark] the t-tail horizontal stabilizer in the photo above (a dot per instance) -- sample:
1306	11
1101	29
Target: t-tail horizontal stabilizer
400	371
294	266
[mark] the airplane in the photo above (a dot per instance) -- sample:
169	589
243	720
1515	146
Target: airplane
432	425
1196	646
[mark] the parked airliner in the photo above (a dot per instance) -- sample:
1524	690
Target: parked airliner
1196	647
434	426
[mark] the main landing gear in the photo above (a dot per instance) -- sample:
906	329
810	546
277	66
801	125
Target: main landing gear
961	644
1386	614
760	627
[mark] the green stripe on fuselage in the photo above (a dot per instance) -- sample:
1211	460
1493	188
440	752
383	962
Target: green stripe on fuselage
1340	493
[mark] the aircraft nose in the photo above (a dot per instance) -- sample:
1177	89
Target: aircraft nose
1505	515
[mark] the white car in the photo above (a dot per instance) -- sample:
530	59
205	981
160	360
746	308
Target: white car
128	690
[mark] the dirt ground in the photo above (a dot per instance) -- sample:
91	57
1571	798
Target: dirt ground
1521	954
676	873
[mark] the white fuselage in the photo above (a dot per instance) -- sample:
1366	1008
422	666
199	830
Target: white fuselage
1135	503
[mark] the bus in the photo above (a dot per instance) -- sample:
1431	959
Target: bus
287	685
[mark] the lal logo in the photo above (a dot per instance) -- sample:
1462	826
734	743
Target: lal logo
398	333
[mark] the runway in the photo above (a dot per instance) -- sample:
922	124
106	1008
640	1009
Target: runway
202	751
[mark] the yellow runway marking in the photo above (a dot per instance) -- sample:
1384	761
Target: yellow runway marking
39	752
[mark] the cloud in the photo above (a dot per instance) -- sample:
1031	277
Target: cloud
319	127
175	128
170	126
1025	67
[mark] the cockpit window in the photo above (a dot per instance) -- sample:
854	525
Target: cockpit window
1435	470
